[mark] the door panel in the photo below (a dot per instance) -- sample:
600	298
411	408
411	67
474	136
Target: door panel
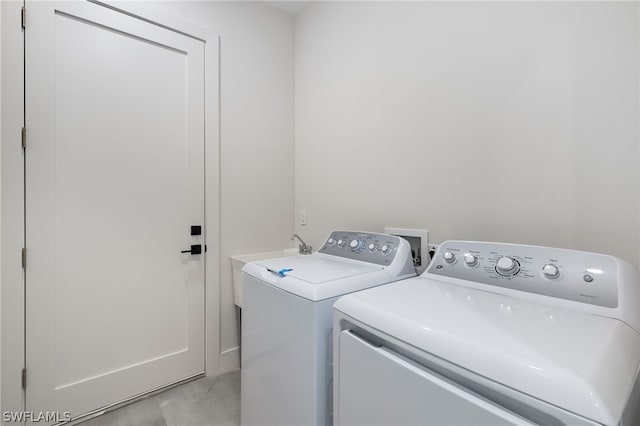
114	178
379	387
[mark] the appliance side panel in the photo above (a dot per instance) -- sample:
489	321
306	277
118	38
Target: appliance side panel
276	340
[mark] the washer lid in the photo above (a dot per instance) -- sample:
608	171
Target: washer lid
316	269
583	363
317	276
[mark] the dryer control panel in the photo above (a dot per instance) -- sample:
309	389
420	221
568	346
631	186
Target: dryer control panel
380	249
567	274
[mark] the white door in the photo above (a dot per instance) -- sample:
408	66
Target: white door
114	182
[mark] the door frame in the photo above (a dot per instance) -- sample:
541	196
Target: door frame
12	300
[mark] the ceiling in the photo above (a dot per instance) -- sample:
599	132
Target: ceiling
289	7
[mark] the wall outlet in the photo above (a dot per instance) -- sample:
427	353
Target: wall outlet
303	217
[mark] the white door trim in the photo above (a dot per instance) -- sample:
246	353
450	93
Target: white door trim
12	192
12	235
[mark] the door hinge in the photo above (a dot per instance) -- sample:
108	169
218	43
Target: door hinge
24	138
23	18
24	258
24	378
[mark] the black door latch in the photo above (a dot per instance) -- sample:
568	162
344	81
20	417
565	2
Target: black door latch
195	249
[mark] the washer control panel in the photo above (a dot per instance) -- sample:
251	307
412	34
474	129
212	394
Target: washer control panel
566	274
380	249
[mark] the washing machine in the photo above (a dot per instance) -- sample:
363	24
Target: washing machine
287	340
493	334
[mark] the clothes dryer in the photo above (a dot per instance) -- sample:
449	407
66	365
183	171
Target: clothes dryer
493	334
286	376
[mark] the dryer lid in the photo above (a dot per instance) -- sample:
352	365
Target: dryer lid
580	362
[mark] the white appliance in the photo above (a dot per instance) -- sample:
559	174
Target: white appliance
493	334
287	329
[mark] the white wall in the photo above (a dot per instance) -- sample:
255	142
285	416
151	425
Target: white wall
493	121
256	140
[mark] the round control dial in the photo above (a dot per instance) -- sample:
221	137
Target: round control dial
550	271
385	249
356	244
507	266
340	243
449	257
373	247
331	241
470	260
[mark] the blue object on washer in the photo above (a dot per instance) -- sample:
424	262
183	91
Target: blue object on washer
283	271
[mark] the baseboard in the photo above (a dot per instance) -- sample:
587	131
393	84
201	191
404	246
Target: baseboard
230	360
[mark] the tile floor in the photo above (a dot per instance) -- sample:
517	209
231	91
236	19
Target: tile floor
209	401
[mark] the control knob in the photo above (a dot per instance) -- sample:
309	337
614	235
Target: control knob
373	247
356	244
331	241
507	266
385	249
470	260
550	271
449	257
340	243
